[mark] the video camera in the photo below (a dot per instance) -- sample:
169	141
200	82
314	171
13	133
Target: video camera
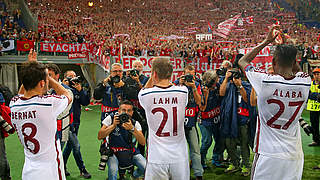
74	80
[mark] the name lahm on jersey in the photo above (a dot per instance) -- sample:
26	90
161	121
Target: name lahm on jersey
167	100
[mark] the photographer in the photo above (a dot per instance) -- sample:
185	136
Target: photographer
81	98
235	117
120	127
194	101
210	119
134	82
6	128
110	91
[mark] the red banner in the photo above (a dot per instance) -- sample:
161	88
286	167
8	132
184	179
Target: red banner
76	55
64	47
25	45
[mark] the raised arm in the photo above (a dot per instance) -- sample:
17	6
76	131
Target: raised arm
246	59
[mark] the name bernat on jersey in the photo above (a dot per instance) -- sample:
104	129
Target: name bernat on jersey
167	100
287	94
23	115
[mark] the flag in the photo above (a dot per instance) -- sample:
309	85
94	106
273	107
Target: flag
249	20
210	27
225	27
25	45
6	45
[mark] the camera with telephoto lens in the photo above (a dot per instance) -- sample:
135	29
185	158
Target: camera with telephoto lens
105	153
6	126
74	80
134	72
115	79
235	74
221	71
124	117
188	78
209	84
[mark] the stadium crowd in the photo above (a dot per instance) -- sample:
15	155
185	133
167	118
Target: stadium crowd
143	27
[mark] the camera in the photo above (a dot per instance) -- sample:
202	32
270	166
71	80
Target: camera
124	117
134	72
221	71
74	80
6	126
235	74
188	78
209	84
115	79
105	153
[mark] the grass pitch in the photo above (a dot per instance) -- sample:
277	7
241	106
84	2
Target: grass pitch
90	125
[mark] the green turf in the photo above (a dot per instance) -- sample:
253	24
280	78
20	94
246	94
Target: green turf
90	125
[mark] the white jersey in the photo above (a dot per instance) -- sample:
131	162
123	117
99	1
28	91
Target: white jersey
280	103
165	111
35	121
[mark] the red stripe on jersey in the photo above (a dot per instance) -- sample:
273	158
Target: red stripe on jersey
254	165
258	135
58	160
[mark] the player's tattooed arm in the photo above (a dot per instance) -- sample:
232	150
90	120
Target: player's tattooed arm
246	59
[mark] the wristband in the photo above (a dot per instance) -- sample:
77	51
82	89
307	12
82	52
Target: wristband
132	130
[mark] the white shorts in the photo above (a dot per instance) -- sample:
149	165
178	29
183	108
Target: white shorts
176	171
267	168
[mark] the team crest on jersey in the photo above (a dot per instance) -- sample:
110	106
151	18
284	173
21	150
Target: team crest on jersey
116	131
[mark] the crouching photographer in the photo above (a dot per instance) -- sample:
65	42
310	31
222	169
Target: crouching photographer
120	128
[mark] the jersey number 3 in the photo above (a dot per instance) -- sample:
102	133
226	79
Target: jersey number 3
281	105
164	121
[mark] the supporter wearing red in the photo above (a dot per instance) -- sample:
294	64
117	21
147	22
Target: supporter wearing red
43	157
81	98
210	119
65	118
194	101
120	131
5	128
235	115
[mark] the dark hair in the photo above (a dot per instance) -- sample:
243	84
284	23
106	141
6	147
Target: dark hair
32	73
54	68
163	67
127	102
285	54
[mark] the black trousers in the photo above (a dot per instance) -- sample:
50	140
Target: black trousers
314	119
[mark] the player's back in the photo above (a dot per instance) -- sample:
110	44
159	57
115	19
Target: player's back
280	103
35	120
165	111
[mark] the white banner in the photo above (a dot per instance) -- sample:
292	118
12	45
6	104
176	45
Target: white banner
127	61
7	45
264	52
